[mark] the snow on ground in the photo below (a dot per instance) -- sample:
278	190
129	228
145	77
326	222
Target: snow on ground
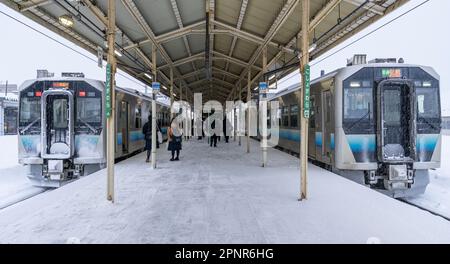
218	195
14	185
437	195
8	152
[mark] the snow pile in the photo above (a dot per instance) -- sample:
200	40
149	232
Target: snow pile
9	152
437	196
217	195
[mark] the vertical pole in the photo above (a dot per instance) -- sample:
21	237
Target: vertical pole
155	79
110	122
264	112
249	98
171	92
234	114
240	113
304	60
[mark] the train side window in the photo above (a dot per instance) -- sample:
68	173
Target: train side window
285	116
294	116
138	117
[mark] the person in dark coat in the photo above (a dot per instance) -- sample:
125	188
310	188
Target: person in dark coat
174	140
147	131
213	139
227	129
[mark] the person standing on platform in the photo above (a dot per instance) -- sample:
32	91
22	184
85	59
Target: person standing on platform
213	139
147	131
175	137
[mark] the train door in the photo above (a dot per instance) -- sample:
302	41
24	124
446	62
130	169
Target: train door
124	125
396	121
312	128
326	126
57	126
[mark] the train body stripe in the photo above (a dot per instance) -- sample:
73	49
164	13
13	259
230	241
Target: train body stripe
362	143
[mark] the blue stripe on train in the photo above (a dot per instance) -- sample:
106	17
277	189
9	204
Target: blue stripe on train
362	143
426	142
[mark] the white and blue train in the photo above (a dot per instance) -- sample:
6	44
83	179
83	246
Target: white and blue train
377	122
62	127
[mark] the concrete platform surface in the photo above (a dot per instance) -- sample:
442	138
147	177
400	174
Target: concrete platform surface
217	195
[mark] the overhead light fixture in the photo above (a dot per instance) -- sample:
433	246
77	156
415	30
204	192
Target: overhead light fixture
256	88
66	20
271	77
148	76
164	87
174	94
312	47
118	53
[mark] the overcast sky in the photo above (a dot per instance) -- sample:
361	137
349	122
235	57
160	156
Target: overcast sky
420	37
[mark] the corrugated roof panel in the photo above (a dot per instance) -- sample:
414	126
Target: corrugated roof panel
158	14
261	15
191	11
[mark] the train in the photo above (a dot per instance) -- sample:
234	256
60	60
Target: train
377	122
62	127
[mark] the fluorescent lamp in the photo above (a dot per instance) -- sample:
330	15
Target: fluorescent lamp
271	77
66	20
148	76
256	88
118	53
174	94
164	87
312	47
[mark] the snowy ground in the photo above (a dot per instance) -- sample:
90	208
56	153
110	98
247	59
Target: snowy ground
14	186
218	196
437	196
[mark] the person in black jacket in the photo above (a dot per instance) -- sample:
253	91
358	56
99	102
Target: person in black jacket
213	139
147	131
174	140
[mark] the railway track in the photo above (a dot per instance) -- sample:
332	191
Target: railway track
425	209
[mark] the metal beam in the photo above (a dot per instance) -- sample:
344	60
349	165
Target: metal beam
136	14
32	4
372	6
218	55
238	27
176	11
238	33
323	13
287	9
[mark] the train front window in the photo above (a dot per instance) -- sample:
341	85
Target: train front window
30	110
358	103
89	110
60	114
427	102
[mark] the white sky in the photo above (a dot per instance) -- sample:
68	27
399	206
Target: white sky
420	37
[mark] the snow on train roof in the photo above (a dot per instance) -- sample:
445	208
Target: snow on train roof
94	83
354	68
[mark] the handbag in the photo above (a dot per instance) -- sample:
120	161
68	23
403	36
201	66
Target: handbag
160	137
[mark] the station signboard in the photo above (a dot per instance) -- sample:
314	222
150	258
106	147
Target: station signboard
306	99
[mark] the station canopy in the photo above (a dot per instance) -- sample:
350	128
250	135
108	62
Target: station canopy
210	45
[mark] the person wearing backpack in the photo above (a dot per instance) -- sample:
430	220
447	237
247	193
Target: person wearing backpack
174	140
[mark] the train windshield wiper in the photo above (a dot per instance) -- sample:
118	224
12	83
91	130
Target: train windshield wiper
30	125
428	123
359	120
87	124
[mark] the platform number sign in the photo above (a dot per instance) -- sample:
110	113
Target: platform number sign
263	87
108	91
156	86
306	101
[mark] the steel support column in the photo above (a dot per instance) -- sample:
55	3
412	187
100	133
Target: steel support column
304	122
263	109
110	123
249	98
171	93
155	79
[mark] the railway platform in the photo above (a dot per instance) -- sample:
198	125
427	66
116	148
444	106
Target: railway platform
217	195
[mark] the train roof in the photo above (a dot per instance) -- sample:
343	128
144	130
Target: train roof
352	69
94	83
